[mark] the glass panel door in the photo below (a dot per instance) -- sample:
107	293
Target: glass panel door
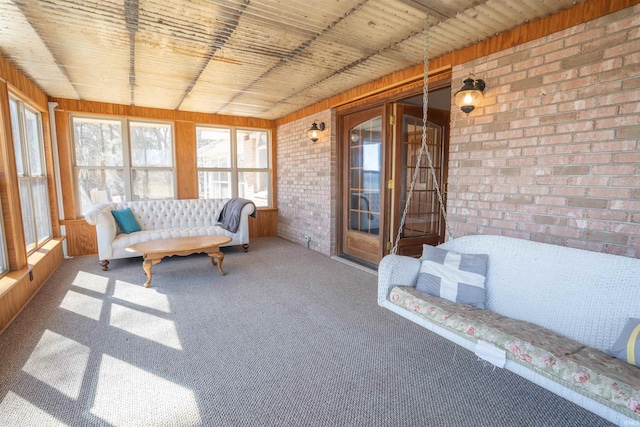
423	214
364	201
424	223
363	174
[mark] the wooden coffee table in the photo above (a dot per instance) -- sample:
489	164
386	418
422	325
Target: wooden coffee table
154	250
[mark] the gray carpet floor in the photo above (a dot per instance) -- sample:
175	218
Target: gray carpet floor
287	338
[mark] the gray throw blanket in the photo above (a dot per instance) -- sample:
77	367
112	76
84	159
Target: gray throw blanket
230	214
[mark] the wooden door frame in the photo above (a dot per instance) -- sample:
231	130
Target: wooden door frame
386	98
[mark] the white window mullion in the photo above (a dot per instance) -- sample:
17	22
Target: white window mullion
126	151
234	162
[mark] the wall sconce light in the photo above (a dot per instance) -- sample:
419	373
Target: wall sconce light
314	132
471	94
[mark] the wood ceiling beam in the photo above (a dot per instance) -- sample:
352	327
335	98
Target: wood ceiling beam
356	63
131	15
442	12
295	52
220	40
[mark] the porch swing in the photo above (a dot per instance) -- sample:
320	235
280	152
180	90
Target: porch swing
520	305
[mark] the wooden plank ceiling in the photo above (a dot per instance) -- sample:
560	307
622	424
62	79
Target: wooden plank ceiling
258	58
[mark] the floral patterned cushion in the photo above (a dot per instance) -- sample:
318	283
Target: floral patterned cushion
463	318
583	369
522	337
524	340
605	377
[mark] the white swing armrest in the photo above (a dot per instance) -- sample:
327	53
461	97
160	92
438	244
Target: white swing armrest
396	270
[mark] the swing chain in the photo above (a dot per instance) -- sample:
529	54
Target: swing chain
423	148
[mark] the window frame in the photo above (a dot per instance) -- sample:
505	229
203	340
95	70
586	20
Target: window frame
28	176
126	166
234	170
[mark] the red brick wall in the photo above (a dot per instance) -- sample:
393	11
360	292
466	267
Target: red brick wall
553	154
307	183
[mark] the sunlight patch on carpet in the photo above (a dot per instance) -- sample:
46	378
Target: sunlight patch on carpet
128	395
141	296
145	325
92	282
69	358
82	304
14	409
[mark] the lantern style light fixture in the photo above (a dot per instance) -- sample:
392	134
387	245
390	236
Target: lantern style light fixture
314	132
471	94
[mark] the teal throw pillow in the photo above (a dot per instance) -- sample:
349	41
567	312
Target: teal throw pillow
126	220
627	346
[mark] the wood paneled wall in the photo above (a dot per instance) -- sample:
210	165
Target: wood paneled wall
21	85
18	287
81	238
186	158
578	14
265	224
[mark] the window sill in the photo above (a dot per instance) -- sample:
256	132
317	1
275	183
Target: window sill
9	280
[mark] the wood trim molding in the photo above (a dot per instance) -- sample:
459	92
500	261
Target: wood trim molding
66	169
51	181
442	79
575	15
120	110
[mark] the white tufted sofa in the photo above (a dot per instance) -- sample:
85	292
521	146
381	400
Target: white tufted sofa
551	314
162	219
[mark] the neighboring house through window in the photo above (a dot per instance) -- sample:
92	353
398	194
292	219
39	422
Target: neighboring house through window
28	143
234	163
119	159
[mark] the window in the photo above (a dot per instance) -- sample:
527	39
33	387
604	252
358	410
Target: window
28	143
234	163
112	165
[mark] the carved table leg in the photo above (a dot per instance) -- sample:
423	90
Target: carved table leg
104	265
146	265
216	259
